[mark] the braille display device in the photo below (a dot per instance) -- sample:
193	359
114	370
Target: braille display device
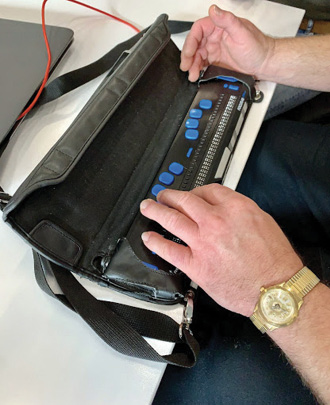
202	149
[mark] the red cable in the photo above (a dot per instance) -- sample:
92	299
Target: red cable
29	108
47	67
107	14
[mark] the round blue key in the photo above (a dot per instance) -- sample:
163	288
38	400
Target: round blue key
166	178
192	123
205	104
191	134
176	168
195	113
156	189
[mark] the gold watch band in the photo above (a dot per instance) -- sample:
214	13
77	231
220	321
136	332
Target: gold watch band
302	282
258	323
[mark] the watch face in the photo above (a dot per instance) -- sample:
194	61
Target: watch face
278	306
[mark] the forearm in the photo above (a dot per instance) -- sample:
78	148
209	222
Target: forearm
306	342
233	249
300	62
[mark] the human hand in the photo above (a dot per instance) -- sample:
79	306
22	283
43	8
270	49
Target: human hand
225	40
233	247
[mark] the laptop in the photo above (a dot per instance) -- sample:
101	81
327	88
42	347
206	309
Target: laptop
23	60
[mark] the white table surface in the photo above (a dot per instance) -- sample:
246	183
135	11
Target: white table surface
47	354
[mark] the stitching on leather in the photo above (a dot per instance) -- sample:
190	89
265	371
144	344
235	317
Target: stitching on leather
44	225
82	271
65	154
51	170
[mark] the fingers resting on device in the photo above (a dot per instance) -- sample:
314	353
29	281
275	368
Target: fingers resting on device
233	247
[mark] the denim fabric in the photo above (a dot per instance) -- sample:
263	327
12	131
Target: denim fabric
286	97
288	175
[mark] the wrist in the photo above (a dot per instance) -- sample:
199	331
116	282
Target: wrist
306	341
266	68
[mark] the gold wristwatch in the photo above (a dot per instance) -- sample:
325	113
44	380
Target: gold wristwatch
279	305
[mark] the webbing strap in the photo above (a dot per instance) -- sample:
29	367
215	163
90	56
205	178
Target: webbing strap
120	326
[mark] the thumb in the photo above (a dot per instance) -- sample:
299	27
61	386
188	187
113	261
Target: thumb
225	20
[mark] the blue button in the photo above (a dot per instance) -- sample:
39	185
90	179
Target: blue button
176	168
192	123
156	189
233	87
189	152
195	113
229	79
151	266
225	85
166	178
205	104
191	134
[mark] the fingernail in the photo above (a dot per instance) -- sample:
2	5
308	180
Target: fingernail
217	10
191	77
145	236
144	205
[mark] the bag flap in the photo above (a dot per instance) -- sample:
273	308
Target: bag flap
62	158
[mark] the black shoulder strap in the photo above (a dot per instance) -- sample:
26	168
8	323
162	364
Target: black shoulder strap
120	326
76	78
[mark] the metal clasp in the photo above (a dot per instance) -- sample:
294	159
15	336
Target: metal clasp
187	312
259	96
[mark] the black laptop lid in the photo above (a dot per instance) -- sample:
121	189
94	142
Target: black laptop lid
23	60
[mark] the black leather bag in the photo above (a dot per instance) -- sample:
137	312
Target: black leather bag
76	208
78	203
81	199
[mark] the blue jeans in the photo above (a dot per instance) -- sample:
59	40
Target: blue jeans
288	175
285	98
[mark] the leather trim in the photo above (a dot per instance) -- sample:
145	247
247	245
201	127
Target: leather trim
56	241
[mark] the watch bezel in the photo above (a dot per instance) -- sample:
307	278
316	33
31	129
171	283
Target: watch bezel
264	317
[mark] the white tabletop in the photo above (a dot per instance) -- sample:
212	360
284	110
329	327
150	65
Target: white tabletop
47	354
